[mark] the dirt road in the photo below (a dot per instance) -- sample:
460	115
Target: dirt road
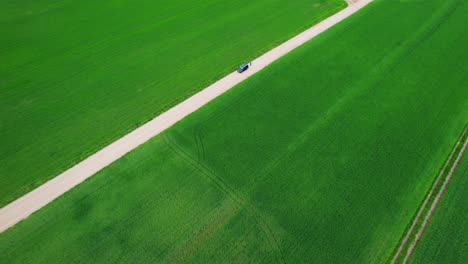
44	194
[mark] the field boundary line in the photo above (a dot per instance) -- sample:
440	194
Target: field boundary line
29	203
462	140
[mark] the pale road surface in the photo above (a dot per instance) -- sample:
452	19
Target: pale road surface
46	193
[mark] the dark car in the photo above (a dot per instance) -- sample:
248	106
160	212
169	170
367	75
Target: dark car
243	68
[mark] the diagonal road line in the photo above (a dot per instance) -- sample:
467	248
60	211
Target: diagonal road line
49	191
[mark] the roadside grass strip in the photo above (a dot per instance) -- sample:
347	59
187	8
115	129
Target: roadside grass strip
420	221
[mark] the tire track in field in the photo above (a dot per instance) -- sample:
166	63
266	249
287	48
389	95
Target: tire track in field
226	189
197	165
435	202
416	46
231	193
397	255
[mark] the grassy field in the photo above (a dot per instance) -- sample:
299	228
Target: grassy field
76	75
322	157
446	237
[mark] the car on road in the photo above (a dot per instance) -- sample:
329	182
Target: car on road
243	68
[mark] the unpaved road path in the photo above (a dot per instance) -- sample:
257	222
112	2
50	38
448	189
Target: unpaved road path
44	194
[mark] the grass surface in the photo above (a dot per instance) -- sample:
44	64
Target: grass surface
446	237
76	75
322	157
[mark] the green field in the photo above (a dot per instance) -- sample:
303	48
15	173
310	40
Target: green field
76	75
446	237
322	157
